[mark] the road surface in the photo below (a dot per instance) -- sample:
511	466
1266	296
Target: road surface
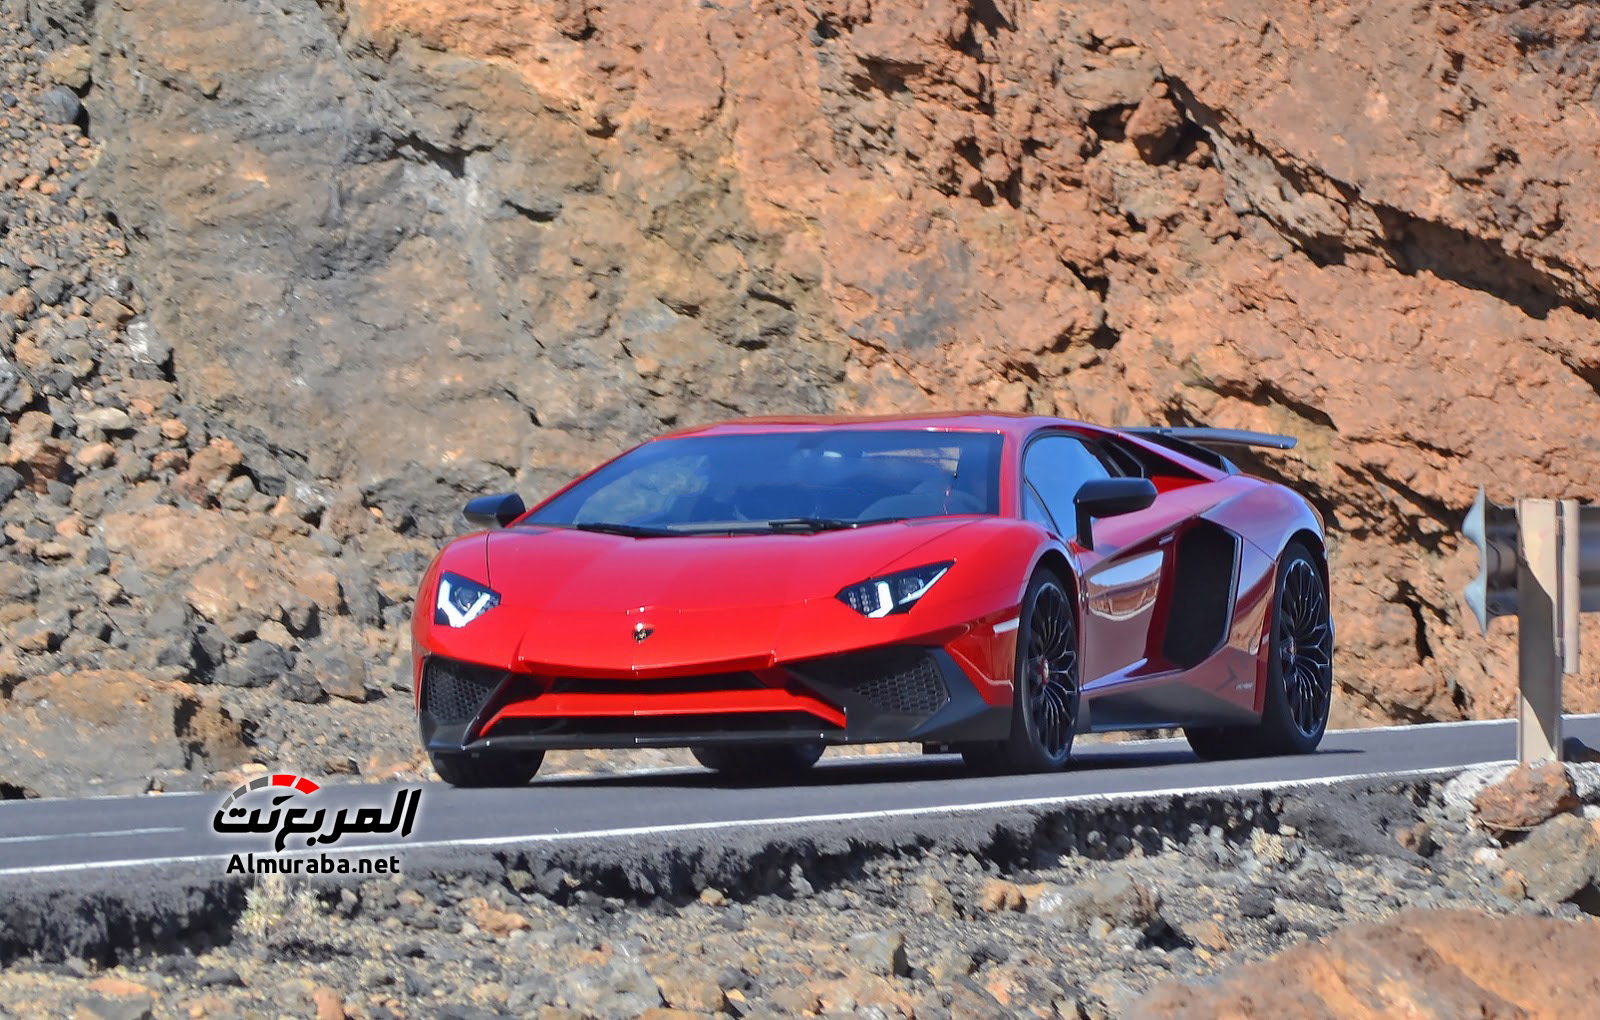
44	837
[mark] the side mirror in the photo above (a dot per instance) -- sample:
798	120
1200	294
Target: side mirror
1108	497
494	511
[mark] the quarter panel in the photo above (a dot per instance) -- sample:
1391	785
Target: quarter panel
1258	574
1266	514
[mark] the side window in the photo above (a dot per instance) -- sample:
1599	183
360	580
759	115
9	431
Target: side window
1033	508
1057	466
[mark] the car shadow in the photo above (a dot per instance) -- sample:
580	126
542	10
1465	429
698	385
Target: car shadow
867	772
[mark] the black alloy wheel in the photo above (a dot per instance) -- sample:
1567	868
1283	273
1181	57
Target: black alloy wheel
1047	693
1299	671
1305	649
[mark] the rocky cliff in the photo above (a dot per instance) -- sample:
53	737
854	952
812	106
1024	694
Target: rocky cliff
370	255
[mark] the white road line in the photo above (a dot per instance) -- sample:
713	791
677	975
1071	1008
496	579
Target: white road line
820	819
1460	722
1136	741
104	834
112	796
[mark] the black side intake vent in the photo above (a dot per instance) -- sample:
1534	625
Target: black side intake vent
1202	593
454	692
890	681
902	682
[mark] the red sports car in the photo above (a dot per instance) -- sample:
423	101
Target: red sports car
978	583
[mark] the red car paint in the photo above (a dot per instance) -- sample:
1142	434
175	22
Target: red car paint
764	606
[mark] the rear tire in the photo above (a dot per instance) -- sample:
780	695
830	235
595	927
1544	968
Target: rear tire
757	763
1299	694
1046	692
491	769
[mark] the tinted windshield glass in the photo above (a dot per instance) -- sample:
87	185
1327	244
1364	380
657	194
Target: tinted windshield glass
773	481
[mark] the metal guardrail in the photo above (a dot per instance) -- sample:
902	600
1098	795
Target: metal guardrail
1539	559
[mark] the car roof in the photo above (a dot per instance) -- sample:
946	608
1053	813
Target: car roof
1017	427
953	421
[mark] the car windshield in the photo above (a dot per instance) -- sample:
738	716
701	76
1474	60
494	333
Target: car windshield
784	481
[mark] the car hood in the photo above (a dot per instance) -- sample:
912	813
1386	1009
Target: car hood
577	603
564	571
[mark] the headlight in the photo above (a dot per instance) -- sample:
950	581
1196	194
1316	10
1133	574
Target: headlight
892	593
461	601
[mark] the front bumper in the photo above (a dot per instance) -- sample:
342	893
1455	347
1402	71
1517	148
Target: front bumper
895	693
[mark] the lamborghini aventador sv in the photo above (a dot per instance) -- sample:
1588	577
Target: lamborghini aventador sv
978	583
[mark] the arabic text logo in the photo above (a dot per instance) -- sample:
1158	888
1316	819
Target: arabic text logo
289	818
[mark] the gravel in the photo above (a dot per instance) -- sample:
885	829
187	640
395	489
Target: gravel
1018	921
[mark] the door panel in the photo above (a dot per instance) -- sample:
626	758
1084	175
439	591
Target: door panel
1122	574
1133	559
1119	597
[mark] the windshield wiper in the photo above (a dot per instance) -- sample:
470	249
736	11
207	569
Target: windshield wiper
810	524
630	530
807	524
781	525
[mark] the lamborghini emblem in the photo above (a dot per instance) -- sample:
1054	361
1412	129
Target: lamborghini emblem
642	631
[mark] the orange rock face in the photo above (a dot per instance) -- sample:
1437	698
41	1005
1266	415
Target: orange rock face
1370	225
1421	964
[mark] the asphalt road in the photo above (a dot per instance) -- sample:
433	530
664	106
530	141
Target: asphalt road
44	837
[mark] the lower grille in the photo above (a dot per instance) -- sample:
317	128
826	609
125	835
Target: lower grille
454	692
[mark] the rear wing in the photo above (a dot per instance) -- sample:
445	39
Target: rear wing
1205	444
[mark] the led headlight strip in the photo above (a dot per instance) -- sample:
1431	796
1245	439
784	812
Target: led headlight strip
892	593
462	600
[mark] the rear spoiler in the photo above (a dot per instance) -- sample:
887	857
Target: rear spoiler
1202	436
1201	443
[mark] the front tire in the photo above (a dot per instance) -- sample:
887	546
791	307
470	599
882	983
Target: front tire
476	771
1047	689
784	761
1299	671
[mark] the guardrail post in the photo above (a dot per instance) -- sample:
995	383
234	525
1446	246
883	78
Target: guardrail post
1541	560
1548	590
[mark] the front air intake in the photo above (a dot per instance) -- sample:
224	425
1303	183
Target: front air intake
901	681
453	693
887	681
